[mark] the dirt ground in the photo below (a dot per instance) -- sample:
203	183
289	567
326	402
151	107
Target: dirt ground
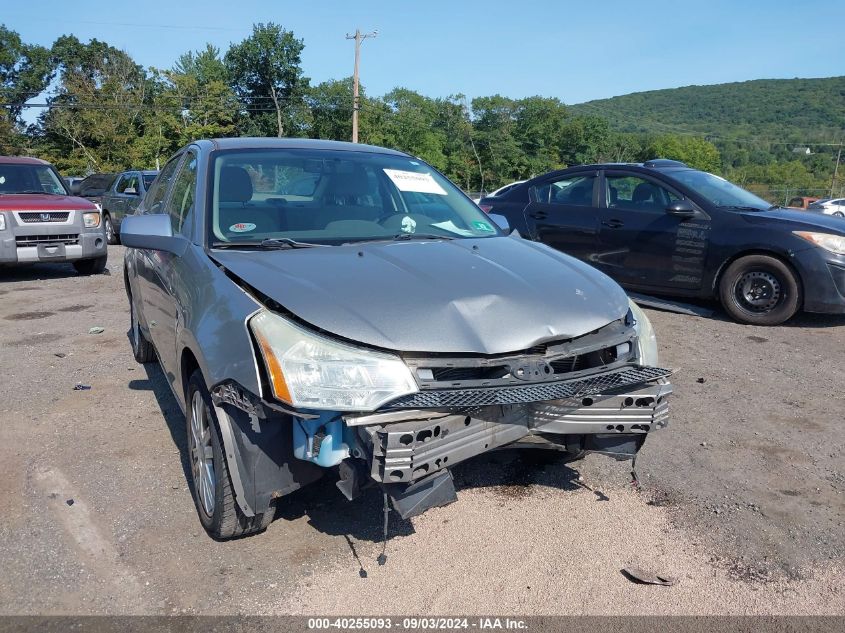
741	500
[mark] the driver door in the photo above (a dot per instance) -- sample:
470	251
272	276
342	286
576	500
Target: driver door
642	244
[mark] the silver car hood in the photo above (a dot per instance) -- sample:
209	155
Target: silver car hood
485	296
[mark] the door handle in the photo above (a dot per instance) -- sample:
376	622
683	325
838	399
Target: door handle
539	215
614	224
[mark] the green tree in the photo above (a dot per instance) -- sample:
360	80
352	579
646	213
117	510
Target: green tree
266	74
96	114
586	139
692	150
330	103
208	107
502	157
204	66
539	126
25	71
411	126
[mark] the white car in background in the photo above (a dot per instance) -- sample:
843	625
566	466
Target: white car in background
833	206
499	191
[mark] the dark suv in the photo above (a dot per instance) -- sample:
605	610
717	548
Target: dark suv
663	228
122	198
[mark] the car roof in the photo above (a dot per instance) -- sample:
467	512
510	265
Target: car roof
655	163
293	143
22	160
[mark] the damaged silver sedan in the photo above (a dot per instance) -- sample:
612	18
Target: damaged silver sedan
321	307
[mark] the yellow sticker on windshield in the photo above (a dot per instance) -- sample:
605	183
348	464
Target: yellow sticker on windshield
415	181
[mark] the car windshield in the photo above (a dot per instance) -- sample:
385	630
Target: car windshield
96	184
333	197
30	178
148	179
718	190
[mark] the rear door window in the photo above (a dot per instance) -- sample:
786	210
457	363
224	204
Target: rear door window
569	191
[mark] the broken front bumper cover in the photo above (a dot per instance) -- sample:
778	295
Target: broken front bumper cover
408	445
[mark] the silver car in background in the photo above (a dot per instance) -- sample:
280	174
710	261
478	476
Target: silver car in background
322	307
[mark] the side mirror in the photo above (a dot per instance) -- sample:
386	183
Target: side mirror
130	191
501	221
681	209
152	232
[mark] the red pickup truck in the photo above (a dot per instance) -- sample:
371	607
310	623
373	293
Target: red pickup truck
41	222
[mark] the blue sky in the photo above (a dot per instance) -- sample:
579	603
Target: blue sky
575	51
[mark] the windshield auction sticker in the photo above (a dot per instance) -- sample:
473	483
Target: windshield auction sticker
414	181
242	227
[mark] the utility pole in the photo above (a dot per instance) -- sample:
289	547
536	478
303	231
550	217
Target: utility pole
356	102
836	169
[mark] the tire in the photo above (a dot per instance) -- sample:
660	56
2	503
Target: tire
91	266
142	349
211	486
111	234
838	214
760	290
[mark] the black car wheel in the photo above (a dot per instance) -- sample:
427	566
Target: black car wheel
142	349
760	290
111	235
839	214
91	266
212	489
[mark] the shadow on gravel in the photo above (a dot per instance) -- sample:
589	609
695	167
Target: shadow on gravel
156	382
806	320
508	474
38	272
801	320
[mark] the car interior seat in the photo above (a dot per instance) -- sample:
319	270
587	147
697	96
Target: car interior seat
347	197
646	196
580	194
235	206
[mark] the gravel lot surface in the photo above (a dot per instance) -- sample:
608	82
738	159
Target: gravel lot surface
742	497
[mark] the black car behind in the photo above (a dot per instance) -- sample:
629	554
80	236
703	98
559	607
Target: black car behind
663	228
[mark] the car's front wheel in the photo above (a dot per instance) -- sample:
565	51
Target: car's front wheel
111	234
91	266
212	487
142	349
839	214
760	290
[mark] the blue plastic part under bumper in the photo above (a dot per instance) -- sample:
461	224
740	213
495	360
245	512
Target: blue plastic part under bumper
320	440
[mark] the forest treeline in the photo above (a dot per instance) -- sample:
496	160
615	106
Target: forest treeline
100	110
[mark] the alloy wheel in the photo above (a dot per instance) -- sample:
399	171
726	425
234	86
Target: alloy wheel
202	454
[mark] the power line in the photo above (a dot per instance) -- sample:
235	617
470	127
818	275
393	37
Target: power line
135	25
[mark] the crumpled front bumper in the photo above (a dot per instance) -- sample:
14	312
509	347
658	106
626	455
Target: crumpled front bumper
409	445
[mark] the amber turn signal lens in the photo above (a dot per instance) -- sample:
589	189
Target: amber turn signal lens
277	377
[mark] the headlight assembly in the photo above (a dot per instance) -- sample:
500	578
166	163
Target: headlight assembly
314	372
827	241
646	338
91	219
